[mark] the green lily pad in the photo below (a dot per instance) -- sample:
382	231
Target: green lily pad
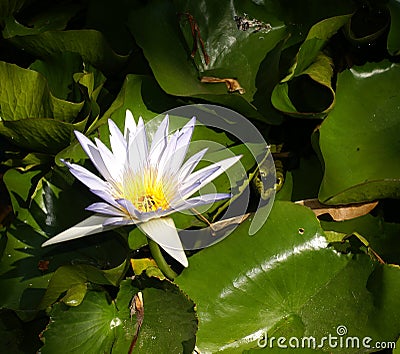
59	89
59	72
359	139
367	25
43	135
307	90
382	236
7	8
99	325
73	279
285	271
43	43
25	162
37	19
88	327
175	72
301	15
25	94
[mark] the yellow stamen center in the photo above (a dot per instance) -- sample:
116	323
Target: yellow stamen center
151	201
146	192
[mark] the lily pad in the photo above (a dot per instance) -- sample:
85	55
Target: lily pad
307	90
359	139
7	8
59	73
42	43
73	278
175	72
284	271
382	236
25	94
99	325
42	135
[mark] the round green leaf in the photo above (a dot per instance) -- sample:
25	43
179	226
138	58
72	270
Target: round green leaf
169	323
100	326
73	279
75	295
284	271
25	94
87	328
307	90
59	72
7	8
39	135
382	236
359	139
90	44
233	53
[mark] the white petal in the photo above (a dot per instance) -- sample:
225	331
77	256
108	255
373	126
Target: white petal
201	200
86	177
167	155
191	164
163	231
178	197
93	153
84	141
118	221
89	226
183	141
146	216
129	207
130	124
117	142
199	176
137	148
106	196
113	166
105	209
191	185
159	142
98	162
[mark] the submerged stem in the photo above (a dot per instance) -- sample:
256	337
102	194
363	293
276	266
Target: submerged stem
160	260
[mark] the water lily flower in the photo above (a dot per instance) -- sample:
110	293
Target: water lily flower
143	184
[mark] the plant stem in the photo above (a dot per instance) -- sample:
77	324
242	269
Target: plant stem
160	260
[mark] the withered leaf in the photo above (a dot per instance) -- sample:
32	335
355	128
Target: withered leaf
232	84
223	225
338	212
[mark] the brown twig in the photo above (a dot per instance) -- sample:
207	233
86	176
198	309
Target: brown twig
137	308
195	30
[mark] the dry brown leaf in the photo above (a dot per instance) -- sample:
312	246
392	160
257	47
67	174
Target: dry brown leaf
223	225
338	212
232	84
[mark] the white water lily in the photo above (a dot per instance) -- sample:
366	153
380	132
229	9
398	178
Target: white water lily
143	184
